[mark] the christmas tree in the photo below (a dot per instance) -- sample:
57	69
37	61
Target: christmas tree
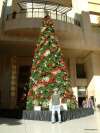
49	70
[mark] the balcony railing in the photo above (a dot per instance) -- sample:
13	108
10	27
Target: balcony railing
40	13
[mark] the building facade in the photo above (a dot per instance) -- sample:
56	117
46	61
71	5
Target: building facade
77	29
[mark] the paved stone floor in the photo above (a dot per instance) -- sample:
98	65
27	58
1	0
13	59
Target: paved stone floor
90	124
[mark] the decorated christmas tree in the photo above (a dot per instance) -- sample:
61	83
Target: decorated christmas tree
48	70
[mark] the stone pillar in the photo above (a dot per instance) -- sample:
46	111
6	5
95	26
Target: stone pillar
81	10
72	69
97	89
93	71
77	7
4	81
1	12
15	6
9	3
1	5
0	81
13	91
96	76
89	71
80	5
81	13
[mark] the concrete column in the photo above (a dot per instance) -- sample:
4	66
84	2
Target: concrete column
13	90
88	34
80	5
4	81
1	9
80	8
9	7
93	71
0	81
15	6
72	69
9	3
97	89
89	73
96	76
1	5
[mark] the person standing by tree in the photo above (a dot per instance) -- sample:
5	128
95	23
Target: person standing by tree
56	102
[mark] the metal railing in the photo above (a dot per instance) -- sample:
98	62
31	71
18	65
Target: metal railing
40	13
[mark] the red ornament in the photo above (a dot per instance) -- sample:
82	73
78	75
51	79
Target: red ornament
32	54
49	65
39	82
46	53
38	62
33	67
30	93
55	71
41	58
64	77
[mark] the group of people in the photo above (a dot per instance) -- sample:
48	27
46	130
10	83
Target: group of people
88	103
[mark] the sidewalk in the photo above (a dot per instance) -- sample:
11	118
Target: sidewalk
90	124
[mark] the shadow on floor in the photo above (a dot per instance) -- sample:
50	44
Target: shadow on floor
10	116
11	113
10	121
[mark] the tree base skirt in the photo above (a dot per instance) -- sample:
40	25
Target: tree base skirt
65	115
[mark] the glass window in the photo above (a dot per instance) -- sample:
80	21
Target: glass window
59	16
41	13
36	5
94	18
80	71
29	13
29	10
63	17
53	15
35	9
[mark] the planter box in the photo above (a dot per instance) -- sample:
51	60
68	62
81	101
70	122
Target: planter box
37	108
